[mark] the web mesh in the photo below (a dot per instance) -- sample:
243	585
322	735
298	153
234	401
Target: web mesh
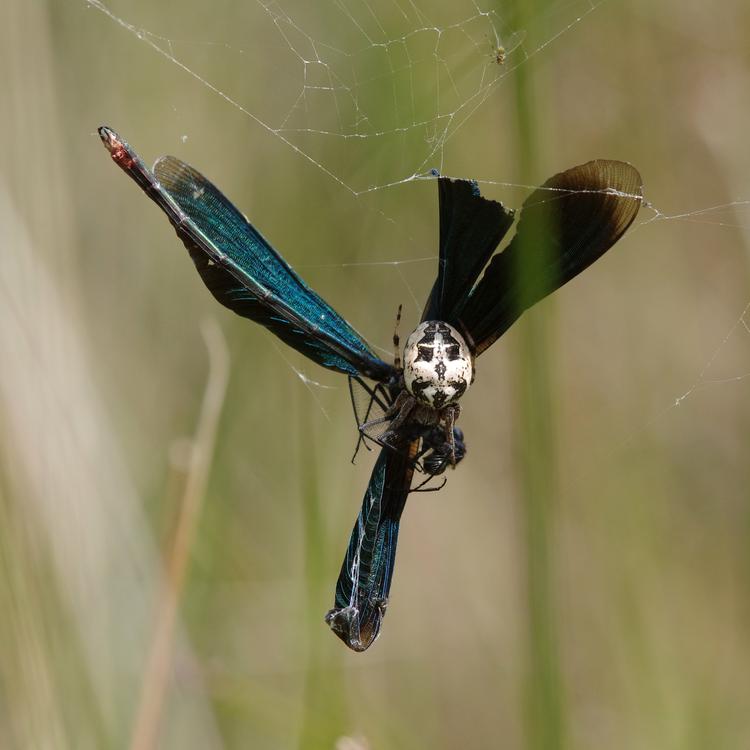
363	80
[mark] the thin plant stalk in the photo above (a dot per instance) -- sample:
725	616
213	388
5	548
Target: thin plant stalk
323	704
156	674
543	695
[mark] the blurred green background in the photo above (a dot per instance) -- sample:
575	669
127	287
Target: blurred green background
596	596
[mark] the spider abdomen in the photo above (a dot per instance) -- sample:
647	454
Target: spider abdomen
438	365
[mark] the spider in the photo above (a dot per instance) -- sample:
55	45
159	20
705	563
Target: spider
422	401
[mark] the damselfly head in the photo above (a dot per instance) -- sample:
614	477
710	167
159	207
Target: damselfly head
438	365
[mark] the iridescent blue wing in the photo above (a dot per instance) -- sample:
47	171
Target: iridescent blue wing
471	228
365	578
240	267
565	225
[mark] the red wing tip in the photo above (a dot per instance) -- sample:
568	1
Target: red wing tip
109	138
119	150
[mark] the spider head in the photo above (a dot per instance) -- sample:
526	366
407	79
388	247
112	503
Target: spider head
438	364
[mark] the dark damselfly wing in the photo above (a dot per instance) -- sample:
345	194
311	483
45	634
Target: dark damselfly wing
471	228
365	579
565	225
240	267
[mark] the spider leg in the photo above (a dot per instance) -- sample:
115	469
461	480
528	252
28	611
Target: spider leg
398	413
406	406
451	415
380	420
419	487
375	398
396	341
402	409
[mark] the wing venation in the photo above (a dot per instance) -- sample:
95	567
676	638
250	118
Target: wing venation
364	582
471	228
565	225
241	269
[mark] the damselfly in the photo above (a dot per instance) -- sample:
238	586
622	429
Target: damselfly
412	407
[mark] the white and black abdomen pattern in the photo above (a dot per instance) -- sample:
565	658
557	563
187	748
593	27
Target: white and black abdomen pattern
438	365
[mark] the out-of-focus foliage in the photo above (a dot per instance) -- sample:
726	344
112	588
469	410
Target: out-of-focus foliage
103	369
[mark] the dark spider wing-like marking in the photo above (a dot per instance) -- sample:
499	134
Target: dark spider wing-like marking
471	228
365	578
240	267
565	225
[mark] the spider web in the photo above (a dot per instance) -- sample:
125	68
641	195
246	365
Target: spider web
386	78
359	80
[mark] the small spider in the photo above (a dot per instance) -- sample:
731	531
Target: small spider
501	49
